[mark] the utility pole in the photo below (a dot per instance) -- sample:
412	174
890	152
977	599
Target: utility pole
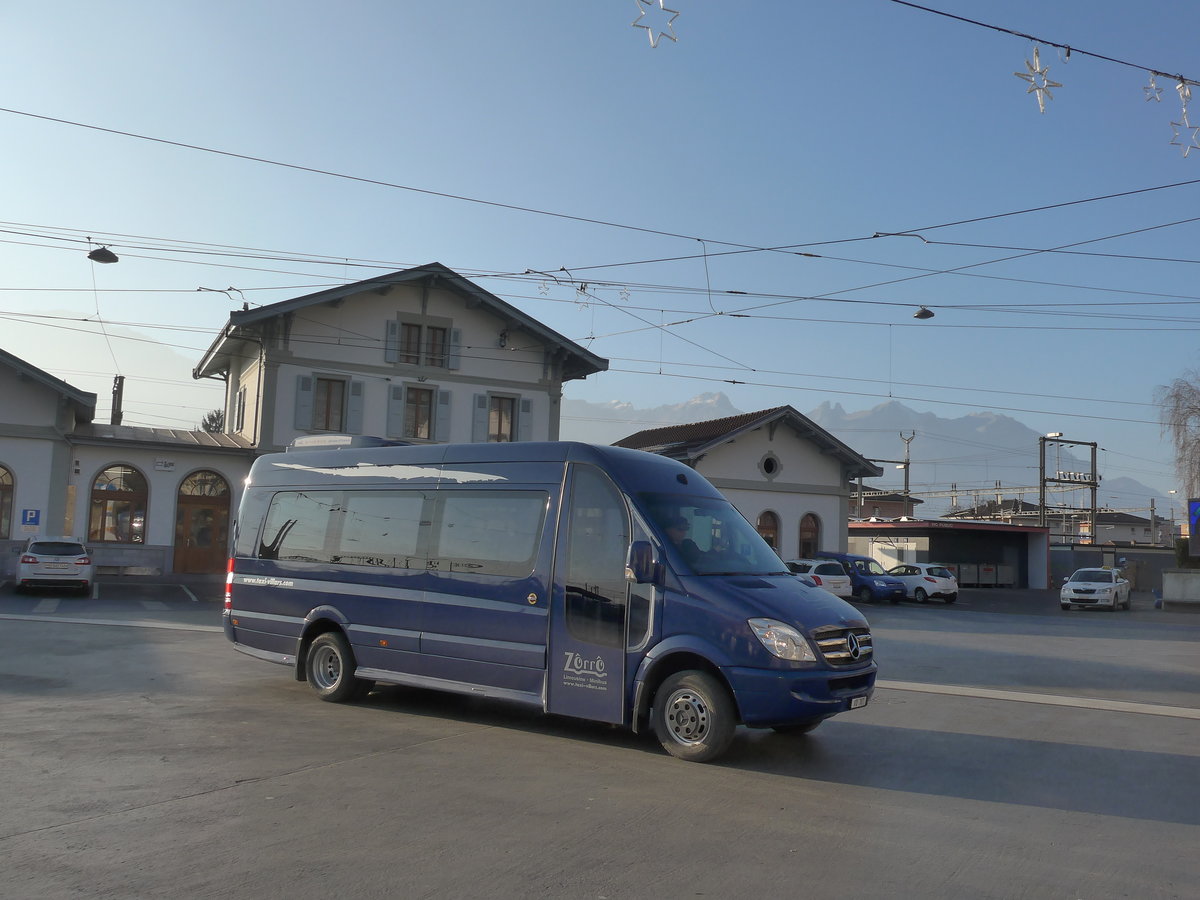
907	497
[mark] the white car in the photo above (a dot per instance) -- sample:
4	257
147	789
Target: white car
55	562
825	573
925	580
1101	587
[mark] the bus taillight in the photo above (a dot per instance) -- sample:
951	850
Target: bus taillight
229	585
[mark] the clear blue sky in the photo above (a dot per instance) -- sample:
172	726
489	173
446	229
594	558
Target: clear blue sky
772	124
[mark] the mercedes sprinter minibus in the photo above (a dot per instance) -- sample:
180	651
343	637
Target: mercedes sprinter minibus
597	582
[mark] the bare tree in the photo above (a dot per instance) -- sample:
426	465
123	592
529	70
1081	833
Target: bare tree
214	421
1179	410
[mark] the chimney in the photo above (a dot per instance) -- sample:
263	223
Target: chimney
118	392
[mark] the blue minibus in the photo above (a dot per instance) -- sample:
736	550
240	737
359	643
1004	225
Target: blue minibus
596	582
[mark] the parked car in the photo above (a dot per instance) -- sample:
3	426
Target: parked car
1102	587
926	580
824	573
55	562
870	583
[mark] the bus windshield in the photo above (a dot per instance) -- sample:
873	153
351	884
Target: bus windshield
711	536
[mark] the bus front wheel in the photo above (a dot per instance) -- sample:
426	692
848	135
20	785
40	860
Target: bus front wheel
330	669
693	716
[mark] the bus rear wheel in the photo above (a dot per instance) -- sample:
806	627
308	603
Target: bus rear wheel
330	666
693	716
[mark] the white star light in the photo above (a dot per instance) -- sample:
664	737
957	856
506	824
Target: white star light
1179	127
1039	84
1153	91
656	31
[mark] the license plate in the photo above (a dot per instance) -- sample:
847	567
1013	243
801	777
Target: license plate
56	566
858	702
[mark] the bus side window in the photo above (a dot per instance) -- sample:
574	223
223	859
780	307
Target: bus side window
594	571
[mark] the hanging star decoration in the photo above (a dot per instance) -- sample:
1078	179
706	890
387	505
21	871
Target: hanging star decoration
1178	128
656	31
1153	91
544	288
1039	84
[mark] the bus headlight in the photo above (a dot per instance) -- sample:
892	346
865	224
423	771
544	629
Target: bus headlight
782	640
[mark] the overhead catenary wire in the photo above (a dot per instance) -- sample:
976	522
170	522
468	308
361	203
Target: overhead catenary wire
714	379
1069	48
534	210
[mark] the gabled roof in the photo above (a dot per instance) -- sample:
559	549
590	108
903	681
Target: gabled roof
690	442
577	362
83	401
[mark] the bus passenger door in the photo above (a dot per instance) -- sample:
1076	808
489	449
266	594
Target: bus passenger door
585	666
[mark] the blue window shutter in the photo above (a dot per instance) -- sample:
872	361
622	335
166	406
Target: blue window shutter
454	358
395	411
441	418
304	402
479	423
525	420
354	408
391	342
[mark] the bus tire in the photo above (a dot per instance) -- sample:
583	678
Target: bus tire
693	716
329	667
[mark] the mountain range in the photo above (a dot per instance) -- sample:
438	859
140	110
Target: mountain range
969	454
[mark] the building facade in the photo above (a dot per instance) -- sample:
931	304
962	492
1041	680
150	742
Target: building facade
422	355
789	477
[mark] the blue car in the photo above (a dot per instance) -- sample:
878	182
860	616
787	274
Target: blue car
871	583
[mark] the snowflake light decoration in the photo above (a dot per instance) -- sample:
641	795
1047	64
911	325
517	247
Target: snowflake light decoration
652	30
1039	84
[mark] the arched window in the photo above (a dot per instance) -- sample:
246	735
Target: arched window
810	536
6	501
118	511
768	528
204	484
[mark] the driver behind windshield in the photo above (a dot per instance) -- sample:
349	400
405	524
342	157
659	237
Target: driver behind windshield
714	539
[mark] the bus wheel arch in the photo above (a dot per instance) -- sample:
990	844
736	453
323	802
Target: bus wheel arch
326	661
694	715
663	669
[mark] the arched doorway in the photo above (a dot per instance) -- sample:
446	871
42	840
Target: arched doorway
810	536
768	528
201	523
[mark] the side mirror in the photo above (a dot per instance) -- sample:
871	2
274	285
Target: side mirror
640	566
